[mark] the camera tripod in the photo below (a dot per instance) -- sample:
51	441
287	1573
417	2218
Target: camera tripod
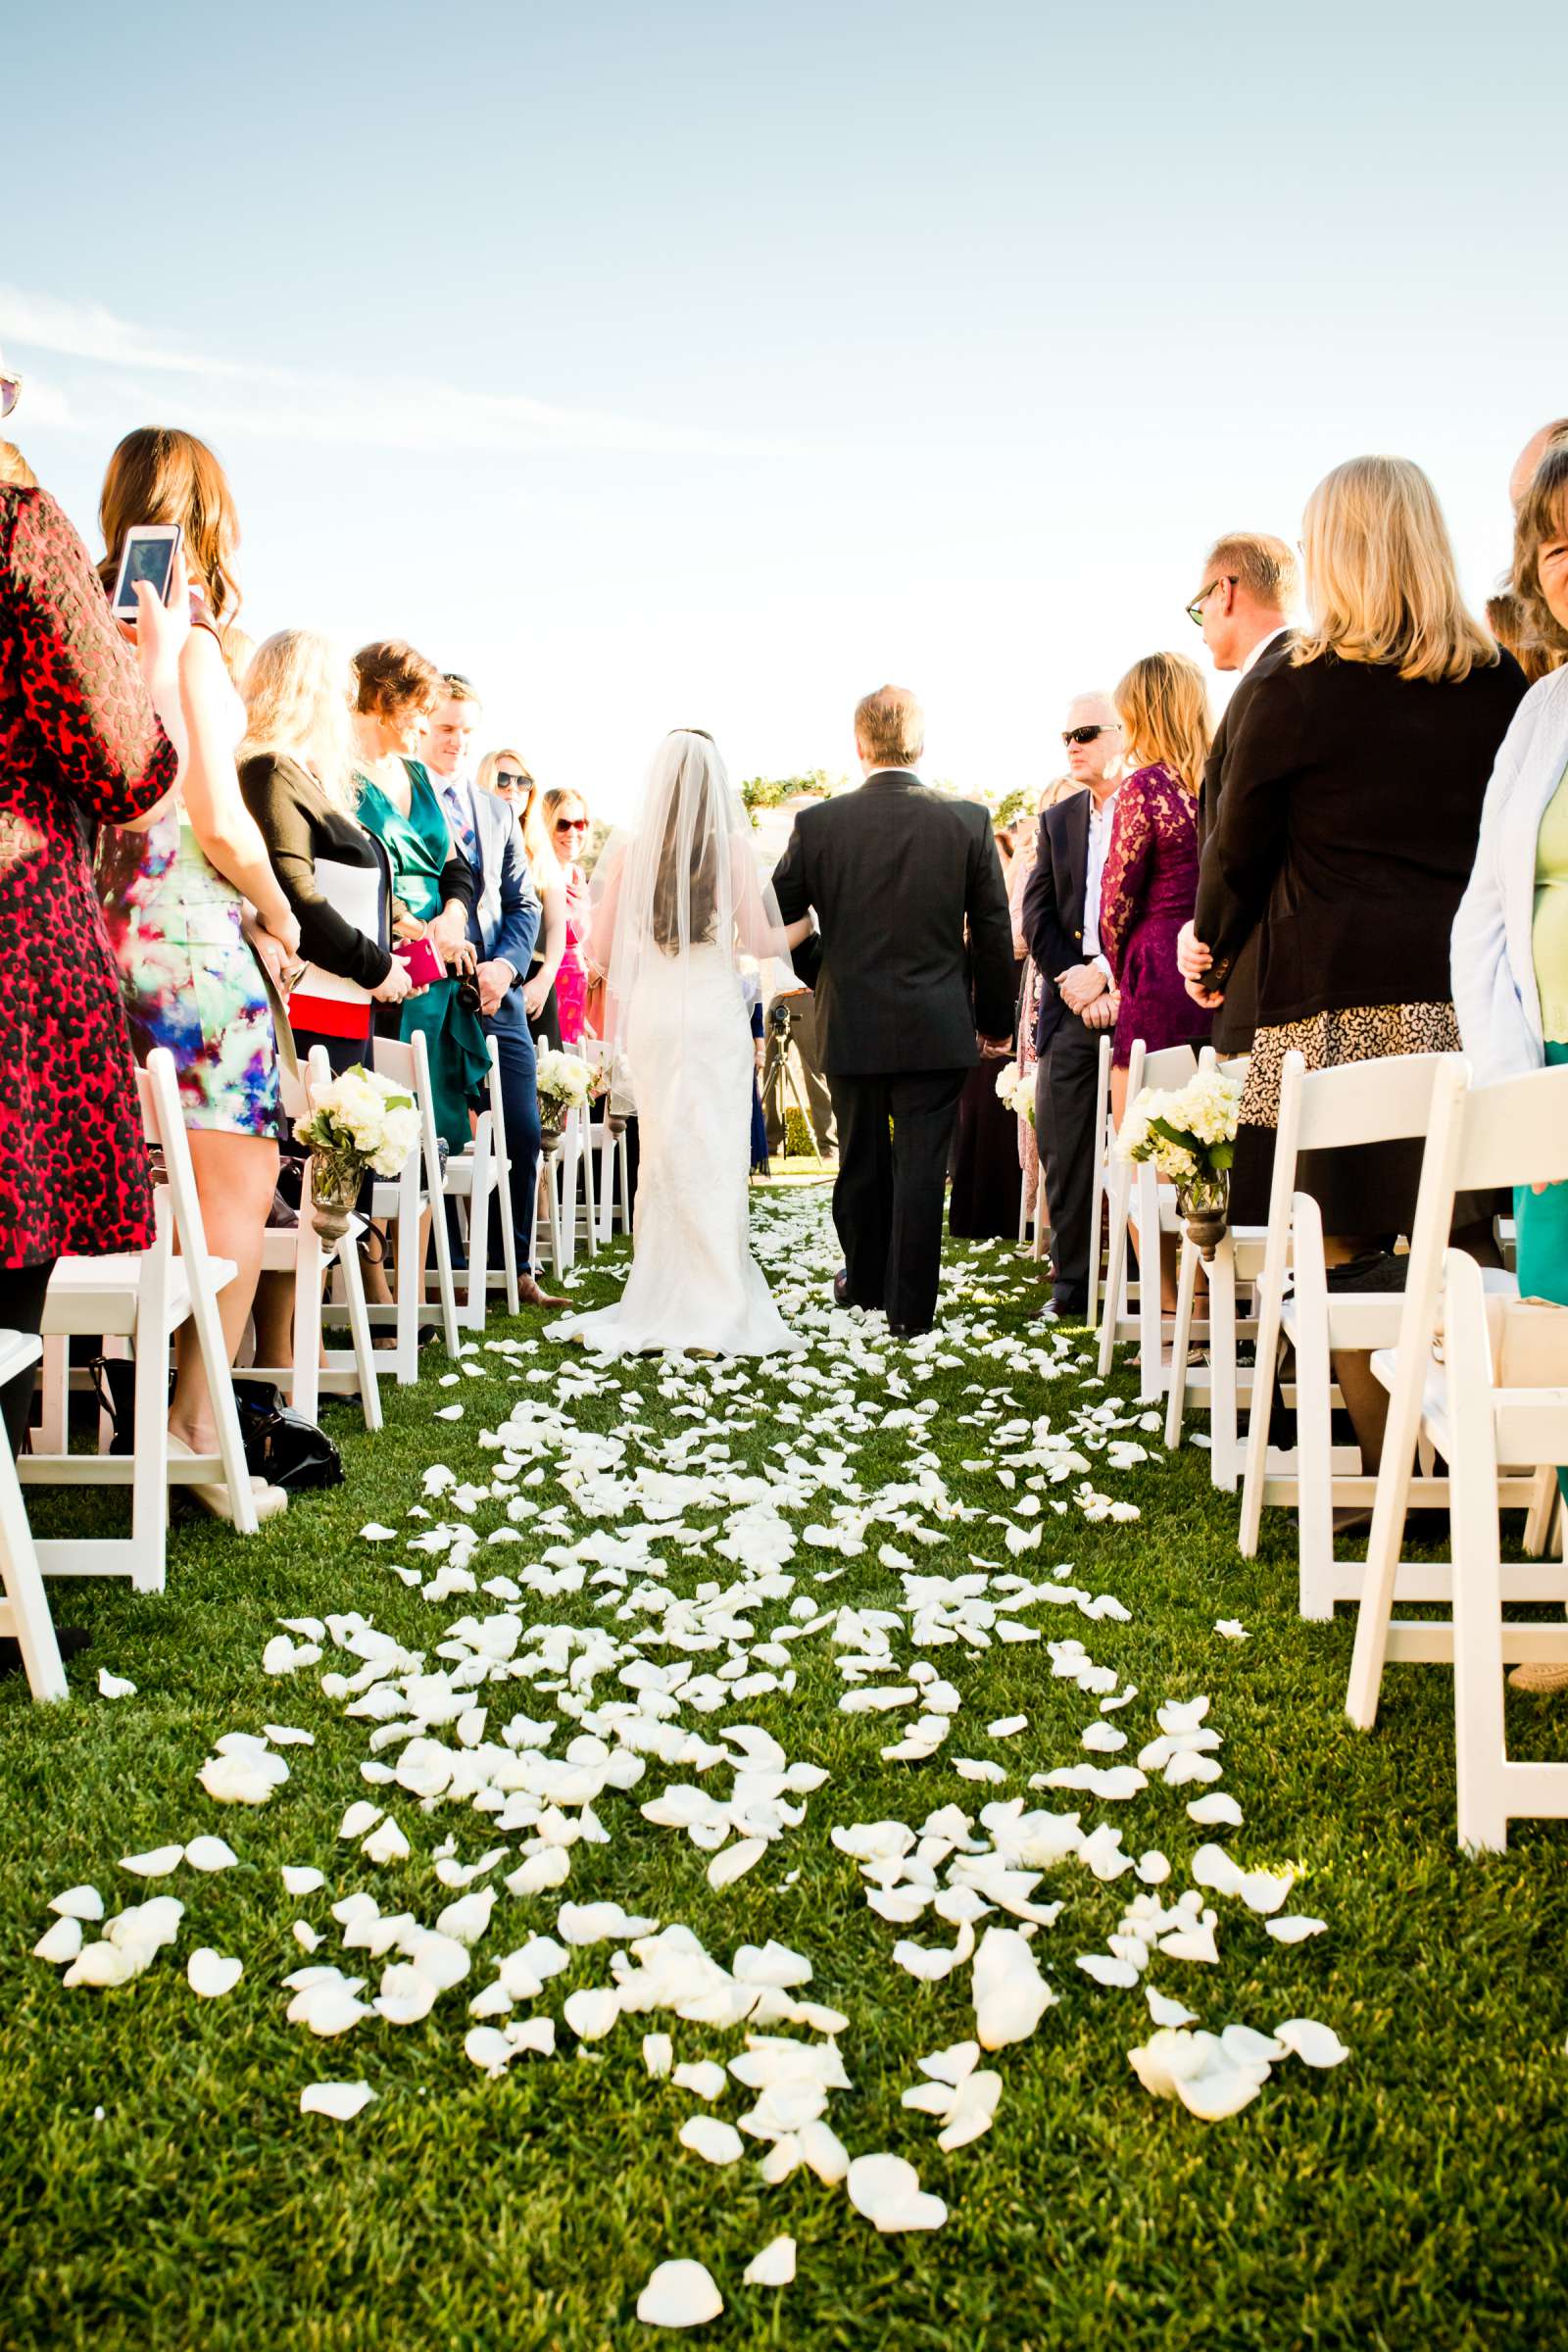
779	1071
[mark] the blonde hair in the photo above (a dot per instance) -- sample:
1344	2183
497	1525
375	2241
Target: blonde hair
892	726
15	472
1162	703
485	774
1263	565
1380	580
1060	788
543	810
298	692
1543	516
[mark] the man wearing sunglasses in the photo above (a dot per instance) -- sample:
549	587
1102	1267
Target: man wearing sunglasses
503	927
1060	914
1244	612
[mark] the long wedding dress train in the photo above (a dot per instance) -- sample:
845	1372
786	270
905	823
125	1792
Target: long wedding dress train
694	1282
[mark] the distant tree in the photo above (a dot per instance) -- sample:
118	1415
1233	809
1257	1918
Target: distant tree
758	793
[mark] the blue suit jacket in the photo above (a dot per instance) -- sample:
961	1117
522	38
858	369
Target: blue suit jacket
506	920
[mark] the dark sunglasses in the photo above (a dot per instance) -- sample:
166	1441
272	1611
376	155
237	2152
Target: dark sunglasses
571	824
1086	734
509	780
1195	611
10	393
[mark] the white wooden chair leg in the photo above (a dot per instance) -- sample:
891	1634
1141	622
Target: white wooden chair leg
1186	1287
477	1298
26	1613
1259	1410
567	1161
590	1222
1542	1509
508	1237
359	1332
1480	1735
1224	1457
54	1409
149	1476
1150	1373
1115	1268
310	1272
1314	1483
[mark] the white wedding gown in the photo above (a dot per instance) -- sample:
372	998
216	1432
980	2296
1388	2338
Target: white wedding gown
694	1282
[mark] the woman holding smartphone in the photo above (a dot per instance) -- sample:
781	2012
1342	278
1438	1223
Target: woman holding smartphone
434	887
191	904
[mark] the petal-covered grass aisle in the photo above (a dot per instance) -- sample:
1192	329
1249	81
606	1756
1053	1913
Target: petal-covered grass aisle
692	1749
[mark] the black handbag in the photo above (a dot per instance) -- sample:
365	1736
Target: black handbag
281	1444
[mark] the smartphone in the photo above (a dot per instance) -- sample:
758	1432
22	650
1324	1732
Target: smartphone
148	555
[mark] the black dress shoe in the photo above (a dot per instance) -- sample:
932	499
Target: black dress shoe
908	1331
841	1287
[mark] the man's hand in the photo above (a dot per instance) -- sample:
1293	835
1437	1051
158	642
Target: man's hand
994	1048
494	978
1080	985
1193	958
1101	1012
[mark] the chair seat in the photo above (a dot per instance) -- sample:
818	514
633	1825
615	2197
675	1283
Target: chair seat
101	1294
280	1246
1356	1318
17	1350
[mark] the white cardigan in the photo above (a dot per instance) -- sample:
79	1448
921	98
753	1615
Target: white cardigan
1494	991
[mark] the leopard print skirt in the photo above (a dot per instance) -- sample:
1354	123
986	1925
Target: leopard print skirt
1367	1189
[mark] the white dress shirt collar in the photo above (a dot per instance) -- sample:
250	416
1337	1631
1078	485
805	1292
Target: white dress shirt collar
1261	647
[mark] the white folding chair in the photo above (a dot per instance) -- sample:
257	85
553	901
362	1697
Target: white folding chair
607	1143
1505	1400
24	1604
143	1298
473	1179
1136	1195
401	1200
1480	1138
1235	1265
1384	1100
300	1251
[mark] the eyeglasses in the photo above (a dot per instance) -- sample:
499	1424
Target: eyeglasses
509	780
1085	735
571	824
1195	611
10	393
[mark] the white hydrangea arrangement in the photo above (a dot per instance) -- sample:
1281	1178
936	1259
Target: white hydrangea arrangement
360	1120
562	1080
1016	1090
1189	1131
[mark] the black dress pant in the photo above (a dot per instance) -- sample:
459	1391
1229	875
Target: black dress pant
1066	1079
889	1198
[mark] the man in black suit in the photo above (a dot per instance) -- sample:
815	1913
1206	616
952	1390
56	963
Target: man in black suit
1243	610
896	874
1077	998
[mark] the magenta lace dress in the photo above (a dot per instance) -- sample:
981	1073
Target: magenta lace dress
1148	891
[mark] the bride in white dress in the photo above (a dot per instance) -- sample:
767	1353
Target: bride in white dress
679	903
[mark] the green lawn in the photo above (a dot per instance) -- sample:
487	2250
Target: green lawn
163	2189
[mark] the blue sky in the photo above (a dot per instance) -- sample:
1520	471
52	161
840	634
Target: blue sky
709	364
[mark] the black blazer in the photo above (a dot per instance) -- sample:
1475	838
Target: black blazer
300	824
1236	1017
1052	908
1346	831
894	873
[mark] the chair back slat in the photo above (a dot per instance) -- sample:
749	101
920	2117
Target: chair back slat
1515	1133
1382	1102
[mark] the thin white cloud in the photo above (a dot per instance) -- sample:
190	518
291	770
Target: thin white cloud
411	412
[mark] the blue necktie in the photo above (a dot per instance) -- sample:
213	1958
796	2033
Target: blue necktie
463	831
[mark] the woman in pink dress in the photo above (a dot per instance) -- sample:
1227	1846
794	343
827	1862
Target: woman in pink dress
565	816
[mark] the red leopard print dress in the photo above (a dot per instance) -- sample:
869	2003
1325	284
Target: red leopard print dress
80	746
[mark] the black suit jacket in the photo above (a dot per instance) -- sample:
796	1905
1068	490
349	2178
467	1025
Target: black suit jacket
1236	1017
1348	830
894	873
1053	910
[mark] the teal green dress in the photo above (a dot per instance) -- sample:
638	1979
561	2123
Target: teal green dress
418	846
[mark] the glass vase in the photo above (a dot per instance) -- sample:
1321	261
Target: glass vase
335	1180
1204	1202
